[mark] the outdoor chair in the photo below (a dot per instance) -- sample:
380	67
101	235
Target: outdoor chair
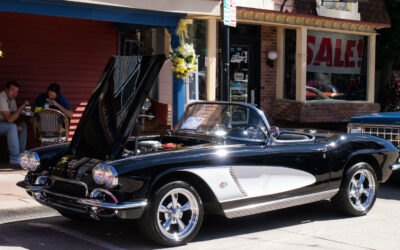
50	126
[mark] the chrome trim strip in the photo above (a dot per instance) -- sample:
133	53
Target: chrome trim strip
292	141
278	204
87	202
72	181
235	179
243	139
97	191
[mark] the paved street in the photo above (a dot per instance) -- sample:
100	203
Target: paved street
27	225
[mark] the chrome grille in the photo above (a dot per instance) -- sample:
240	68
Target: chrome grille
391	134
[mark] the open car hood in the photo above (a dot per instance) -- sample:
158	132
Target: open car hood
114	106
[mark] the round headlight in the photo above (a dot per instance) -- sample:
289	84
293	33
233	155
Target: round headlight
110	177
23	160
98	174
33	161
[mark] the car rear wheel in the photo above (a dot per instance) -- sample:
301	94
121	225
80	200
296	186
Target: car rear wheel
174	215
358	190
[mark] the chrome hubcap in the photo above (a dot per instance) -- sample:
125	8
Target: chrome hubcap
177	214
362	189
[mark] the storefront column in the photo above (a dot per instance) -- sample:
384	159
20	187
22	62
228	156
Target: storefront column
212	59
280	63
178	86
371	68
301	63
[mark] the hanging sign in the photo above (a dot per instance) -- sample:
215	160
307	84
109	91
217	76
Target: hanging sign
230	13
334	53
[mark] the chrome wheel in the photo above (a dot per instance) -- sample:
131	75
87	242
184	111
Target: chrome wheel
362	189
177	214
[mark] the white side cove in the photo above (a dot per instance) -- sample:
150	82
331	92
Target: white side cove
238	182
267	180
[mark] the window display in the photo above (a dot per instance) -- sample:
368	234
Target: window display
336	65
197	84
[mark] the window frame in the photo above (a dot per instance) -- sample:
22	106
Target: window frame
301	72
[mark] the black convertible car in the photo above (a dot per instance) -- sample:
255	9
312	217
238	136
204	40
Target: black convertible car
221	158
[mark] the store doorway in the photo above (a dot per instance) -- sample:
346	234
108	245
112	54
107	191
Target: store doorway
244	61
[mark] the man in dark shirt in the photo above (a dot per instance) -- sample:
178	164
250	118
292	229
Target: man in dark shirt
54	99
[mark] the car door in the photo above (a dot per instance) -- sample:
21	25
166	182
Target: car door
283	170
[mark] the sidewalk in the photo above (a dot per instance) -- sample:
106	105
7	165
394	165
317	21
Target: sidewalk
15	203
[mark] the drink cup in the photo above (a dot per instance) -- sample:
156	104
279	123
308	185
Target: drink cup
28	109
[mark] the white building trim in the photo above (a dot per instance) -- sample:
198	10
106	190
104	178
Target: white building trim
335	10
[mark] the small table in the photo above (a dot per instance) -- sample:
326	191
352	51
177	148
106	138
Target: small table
27	114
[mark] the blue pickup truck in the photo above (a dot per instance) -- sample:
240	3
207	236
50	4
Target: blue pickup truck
385	125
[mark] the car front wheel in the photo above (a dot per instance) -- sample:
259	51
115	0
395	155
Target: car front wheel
174	215
358	190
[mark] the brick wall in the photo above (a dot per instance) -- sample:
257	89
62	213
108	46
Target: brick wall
267	74
285	110
39	50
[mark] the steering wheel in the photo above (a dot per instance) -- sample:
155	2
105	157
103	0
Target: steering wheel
254	133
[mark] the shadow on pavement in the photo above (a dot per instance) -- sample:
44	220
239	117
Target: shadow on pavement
61	233
390	190
220	227
6	168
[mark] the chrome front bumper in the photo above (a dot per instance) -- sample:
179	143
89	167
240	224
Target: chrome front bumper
395	167
91	206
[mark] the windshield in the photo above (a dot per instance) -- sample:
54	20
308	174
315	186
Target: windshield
216	119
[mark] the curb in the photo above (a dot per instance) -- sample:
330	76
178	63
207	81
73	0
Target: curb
16	204
26	213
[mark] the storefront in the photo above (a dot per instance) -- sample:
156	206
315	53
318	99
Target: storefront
313	67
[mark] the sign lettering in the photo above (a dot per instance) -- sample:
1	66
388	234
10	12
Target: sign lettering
334	53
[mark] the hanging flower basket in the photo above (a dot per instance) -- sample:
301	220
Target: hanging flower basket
183	60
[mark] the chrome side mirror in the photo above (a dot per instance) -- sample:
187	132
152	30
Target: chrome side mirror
274	132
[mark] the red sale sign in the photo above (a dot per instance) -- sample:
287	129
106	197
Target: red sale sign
334	53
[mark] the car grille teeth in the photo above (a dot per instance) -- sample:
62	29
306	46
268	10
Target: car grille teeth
387	133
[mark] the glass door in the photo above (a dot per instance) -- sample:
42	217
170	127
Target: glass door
239	74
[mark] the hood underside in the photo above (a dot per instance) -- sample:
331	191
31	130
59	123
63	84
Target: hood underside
114	106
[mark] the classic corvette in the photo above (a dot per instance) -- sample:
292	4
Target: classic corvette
221	158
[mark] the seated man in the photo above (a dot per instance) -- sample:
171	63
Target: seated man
9	113
54	99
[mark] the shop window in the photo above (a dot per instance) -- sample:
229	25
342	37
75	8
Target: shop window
338	9
290	65
196	84
335	4
336	66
